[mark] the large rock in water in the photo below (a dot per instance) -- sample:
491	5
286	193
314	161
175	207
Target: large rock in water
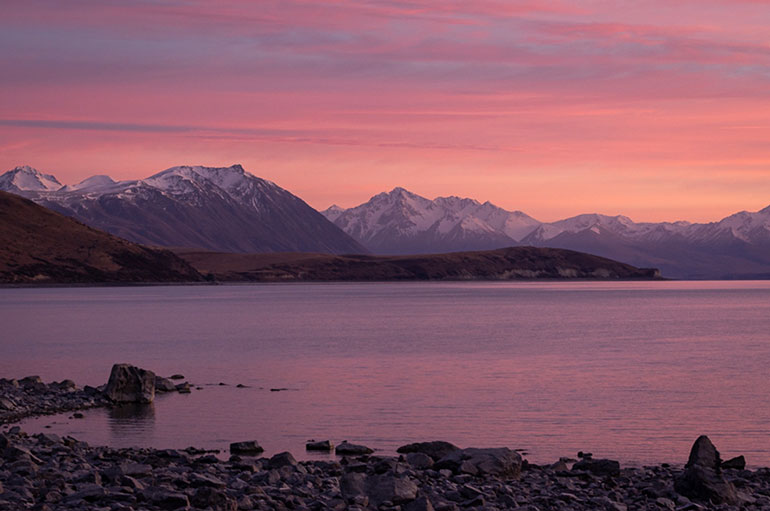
130	384
702	478
496	461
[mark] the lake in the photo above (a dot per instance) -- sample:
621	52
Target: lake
628	370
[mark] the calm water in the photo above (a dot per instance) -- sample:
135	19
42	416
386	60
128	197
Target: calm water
633	371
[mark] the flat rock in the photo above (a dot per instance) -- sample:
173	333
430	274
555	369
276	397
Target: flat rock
436	449
164	384
130	384
246	447
348	449
599	467
323	445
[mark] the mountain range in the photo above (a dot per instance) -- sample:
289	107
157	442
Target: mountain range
215	208
401	222
226	209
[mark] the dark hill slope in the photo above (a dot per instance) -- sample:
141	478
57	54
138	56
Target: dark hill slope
38	245
515	263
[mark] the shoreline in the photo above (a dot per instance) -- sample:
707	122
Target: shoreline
424	476
45	471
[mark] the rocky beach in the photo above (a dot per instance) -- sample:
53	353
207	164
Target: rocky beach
47	472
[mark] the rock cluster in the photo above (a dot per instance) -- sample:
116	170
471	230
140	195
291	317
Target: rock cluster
127	384
46	472
30	396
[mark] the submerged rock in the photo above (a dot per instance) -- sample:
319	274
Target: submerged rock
702	479
130	384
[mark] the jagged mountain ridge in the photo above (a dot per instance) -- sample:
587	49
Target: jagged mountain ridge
401	222
214	208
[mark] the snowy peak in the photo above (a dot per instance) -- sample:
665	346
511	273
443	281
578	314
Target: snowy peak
94	183
179	178
332	212
215	208
28	179
399	221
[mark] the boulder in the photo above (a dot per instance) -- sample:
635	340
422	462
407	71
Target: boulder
211	498
166	499
348	449
496	461
282	459
702	479
599	467
436	450
388	488
420	461
164	384
324	445
6	404
738	463
248	447
419	504
352	484
183	388
130	384
177	377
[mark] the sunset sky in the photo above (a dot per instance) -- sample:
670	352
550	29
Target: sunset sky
657	109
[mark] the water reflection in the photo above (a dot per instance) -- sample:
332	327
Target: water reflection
131	421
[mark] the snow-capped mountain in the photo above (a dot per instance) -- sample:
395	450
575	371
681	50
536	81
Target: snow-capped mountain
401	222
214	208
25	178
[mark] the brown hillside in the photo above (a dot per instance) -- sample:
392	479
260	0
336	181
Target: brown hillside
38	245
515	263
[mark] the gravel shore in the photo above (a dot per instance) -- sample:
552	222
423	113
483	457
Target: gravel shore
48	472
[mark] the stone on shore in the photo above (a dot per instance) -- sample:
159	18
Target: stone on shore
737	463
249	447
496	461
600	467
702	479
348	449
436	450
130	384
386	487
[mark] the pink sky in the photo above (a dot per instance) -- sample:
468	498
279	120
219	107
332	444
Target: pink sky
657	109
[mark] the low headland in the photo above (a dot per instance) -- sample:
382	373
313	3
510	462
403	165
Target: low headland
46	472
513	263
